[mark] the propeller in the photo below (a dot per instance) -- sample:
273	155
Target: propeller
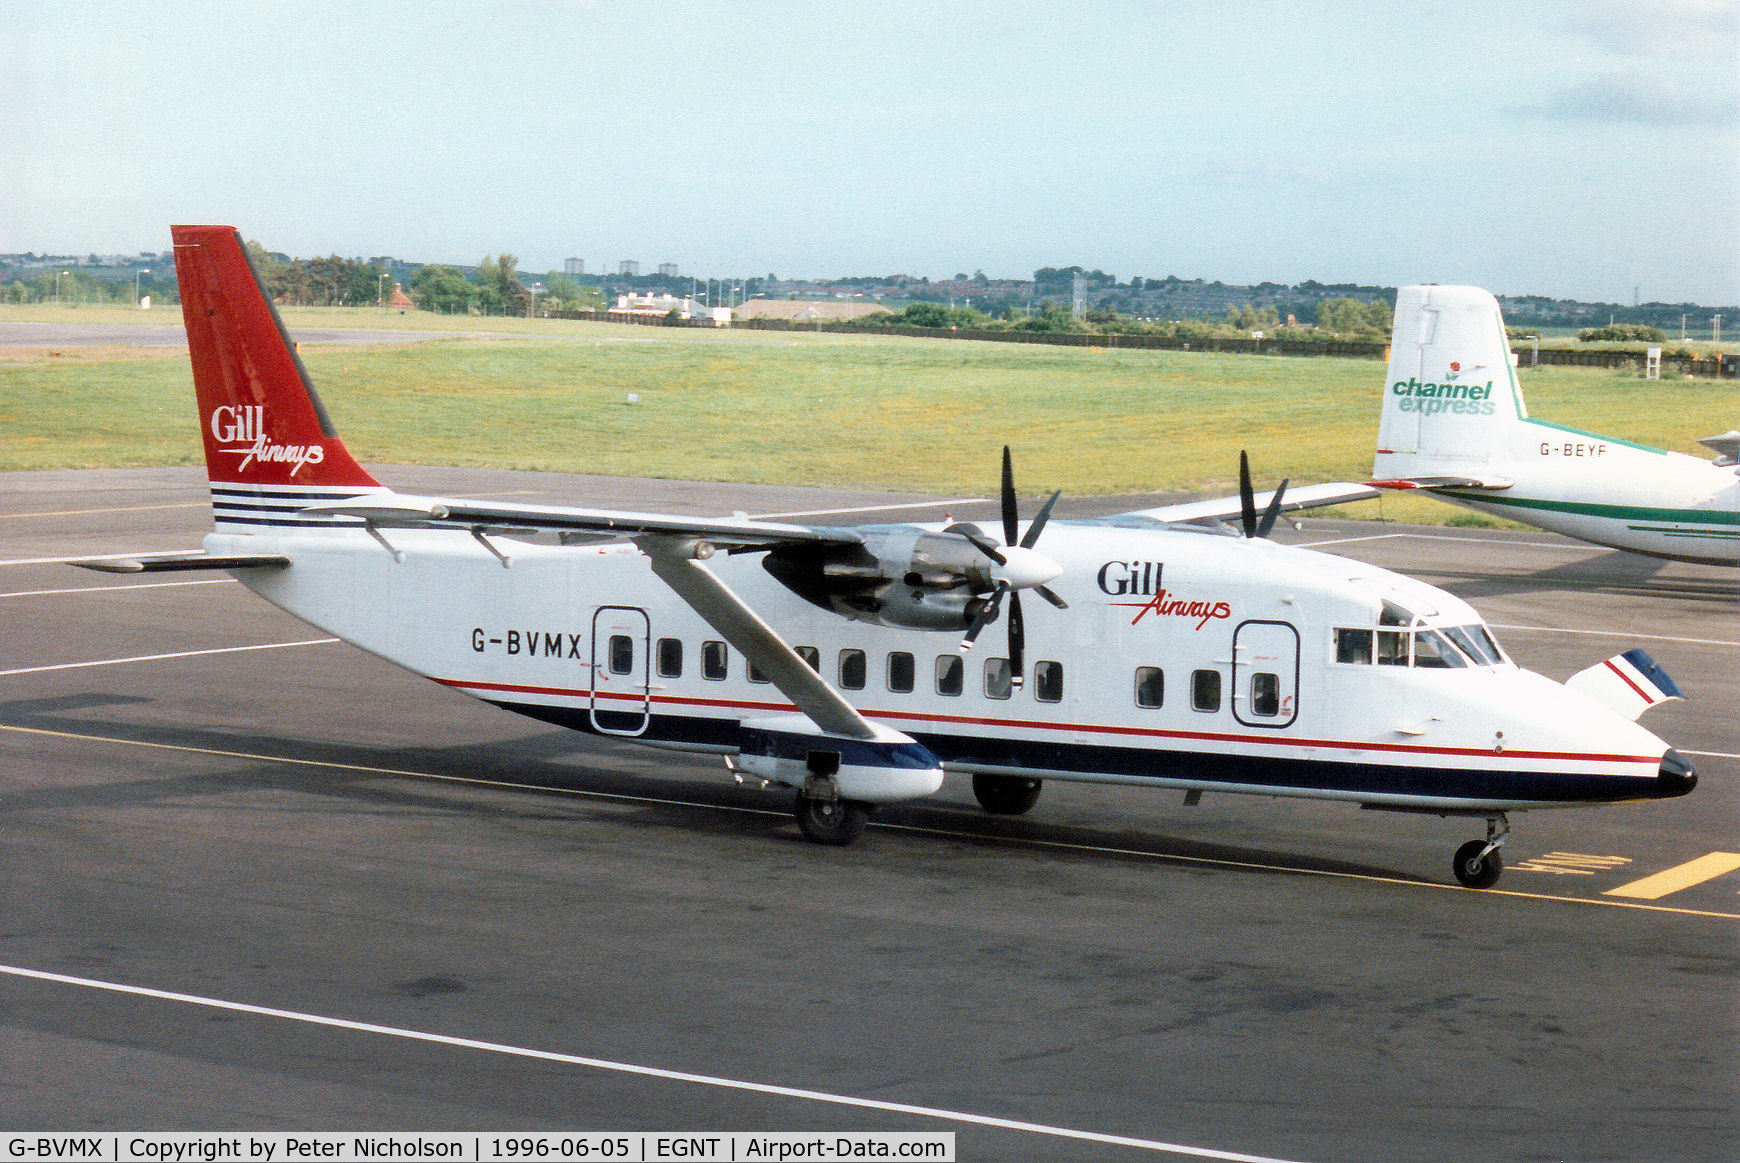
1255	526
1020	567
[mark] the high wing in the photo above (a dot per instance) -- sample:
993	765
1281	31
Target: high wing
405	511
1230	508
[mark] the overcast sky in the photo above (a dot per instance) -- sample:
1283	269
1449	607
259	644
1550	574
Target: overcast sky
1582	150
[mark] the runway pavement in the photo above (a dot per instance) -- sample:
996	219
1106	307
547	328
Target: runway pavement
257	879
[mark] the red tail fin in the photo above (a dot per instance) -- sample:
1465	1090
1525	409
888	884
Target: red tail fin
260	418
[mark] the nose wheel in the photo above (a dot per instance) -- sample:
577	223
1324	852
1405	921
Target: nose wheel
1479	863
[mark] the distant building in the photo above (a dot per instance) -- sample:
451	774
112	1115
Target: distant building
628	267
662	304
401	301
574	266
805	310
668	269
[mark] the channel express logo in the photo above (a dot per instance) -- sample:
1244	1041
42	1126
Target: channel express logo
1449	396
241	431
1141	579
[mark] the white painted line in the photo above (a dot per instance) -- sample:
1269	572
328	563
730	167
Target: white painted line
875	508
1610	634
606	1064
116	509
162	657
216	581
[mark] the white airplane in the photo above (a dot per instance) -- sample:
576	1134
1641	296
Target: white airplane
1454	424
834	660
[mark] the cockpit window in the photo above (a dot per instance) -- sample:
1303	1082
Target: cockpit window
1476	643
1446	647
1433	650
1395	615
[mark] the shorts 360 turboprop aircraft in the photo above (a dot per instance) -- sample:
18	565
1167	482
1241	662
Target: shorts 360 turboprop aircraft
1454	424
833	660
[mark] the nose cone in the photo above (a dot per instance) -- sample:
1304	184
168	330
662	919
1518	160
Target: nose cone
1676	777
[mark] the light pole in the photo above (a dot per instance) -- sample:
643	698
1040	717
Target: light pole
532	303
136	275
57	277
381	293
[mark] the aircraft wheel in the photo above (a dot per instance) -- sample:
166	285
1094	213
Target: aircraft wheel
1006	795
1475	870
837	822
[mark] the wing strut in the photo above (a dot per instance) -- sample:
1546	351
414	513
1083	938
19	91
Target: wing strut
676	561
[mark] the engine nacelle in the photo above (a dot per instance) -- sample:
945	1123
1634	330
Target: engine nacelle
914	578
790	749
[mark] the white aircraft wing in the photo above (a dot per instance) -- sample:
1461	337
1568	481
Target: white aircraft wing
1493	484
1230	508
404	511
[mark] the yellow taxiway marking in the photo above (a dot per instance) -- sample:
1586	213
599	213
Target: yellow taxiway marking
914	829
1570	863
1652	888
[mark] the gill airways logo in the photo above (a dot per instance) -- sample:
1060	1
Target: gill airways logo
241	431
1141	579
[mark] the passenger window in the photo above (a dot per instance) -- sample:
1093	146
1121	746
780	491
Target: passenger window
1265	695
670	658
621	654
1205	690
1392	648
949	674
902	672
998	678
812	656
755	674
852	670
1353	646
1048	682
714	660
1150	686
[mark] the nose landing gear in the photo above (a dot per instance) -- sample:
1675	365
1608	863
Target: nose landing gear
1479	863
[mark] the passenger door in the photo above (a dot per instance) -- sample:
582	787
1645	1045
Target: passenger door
1265	675
621	656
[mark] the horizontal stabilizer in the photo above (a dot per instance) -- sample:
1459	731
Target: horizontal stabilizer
1630	683
1230	508
1490	483
183	562
1726	447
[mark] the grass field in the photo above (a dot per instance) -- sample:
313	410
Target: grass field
802	408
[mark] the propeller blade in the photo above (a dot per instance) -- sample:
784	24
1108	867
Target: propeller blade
980	542
1017	638
1273	511
1039	521
1050	595
986	615
1247	498
1009	513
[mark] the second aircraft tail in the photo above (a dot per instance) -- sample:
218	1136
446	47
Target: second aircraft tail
1451	397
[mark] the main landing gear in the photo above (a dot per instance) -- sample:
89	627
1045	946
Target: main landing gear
1006	795
1479	863
830	821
